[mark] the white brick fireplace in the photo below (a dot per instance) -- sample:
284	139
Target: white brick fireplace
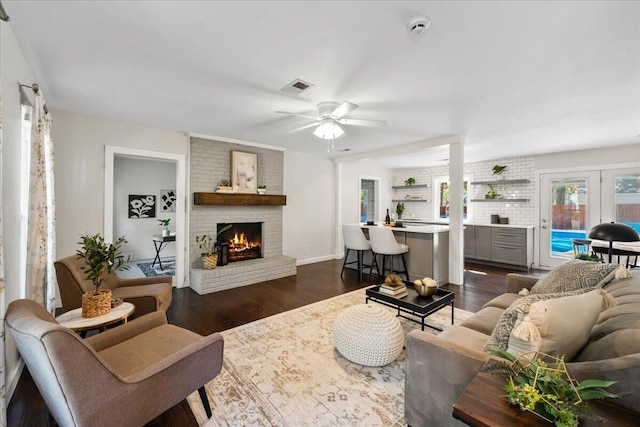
210	163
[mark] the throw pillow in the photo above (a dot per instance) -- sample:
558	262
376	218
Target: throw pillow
556	327
575	274
508	318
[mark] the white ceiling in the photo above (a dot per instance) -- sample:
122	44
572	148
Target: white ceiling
512	78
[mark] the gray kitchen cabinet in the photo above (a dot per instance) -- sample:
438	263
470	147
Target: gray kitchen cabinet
499	245
477	242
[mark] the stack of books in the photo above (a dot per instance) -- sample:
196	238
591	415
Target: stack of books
224	189
394	289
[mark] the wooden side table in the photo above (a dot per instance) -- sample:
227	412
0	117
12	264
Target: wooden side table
482	405
73	319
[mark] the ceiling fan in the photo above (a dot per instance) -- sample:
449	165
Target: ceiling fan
331	116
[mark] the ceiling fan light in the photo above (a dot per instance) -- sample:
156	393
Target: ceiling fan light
328	129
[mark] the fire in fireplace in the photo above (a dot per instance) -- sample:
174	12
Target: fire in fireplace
244	239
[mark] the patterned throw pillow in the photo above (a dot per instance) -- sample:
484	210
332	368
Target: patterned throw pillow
575	274
521	306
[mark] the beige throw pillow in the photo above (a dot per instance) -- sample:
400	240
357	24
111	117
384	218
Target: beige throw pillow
575	274
520	307
559	326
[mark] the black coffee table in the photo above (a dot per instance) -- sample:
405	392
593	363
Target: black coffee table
414	304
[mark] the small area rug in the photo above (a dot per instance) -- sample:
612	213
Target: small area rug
284	371
168	264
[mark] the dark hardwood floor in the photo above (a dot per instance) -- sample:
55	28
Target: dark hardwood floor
227	309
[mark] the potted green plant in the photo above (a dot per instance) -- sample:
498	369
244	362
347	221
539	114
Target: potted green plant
262	189
499	170
100	260
399	210
541	383
209	246
165	223
491	193
589	257
409	181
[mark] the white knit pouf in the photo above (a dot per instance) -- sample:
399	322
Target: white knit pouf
368	335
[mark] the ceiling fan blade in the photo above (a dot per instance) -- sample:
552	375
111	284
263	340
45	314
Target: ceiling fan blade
343	109
303	127
298	115
363	122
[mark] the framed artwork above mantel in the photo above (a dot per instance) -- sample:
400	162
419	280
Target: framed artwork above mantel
244	172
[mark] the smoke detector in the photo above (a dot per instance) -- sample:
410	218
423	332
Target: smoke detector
419	25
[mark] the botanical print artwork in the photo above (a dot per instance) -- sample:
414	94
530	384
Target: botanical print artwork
167	200
142	206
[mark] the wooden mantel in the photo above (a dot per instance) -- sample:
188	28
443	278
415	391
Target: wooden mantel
238	199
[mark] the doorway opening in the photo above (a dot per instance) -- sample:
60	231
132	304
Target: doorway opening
119	190
369	199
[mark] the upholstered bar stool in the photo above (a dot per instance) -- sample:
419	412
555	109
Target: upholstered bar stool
354	240
383	242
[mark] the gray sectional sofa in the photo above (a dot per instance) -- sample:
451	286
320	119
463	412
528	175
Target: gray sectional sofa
439	367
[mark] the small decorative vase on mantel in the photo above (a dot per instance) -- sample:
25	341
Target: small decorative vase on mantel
100	260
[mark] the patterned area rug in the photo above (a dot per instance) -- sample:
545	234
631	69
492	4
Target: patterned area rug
168	264
284	371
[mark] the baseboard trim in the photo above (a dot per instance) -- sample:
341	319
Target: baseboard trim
314	260
12	380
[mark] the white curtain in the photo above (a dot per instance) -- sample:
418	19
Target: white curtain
41	248
3	389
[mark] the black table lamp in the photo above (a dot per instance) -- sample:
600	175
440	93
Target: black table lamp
612	232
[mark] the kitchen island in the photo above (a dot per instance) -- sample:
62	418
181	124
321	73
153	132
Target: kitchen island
428	251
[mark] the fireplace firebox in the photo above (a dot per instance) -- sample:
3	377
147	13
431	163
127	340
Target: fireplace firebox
244	239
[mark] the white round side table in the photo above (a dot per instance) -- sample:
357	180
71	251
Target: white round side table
73	319
368	334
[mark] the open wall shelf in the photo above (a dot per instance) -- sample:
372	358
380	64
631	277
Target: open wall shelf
409	200
397	187
237	199
500	200
502	181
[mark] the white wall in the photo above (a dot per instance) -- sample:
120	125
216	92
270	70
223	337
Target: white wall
349	175
79	143
141	176
13	69
309	219
622	154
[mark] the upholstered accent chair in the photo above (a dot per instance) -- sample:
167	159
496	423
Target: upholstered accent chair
147	294
126	376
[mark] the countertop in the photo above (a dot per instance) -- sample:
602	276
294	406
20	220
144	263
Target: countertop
414	221
415	228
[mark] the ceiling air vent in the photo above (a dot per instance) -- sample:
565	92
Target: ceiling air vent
296	87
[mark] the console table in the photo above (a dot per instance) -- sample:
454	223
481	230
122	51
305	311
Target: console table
158	242
482	405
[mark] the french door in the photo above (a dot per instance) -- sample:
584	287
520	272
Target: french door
569	207
571	203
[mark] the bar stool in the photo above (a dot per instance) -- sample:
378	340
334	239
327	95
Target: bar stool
383	242
354	240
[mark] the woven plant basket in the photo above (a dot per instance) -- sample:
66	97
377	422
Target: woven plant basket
209	261
96	305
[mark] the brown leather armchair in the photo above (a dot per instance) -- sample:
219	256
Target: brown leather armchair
148	294
126	376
